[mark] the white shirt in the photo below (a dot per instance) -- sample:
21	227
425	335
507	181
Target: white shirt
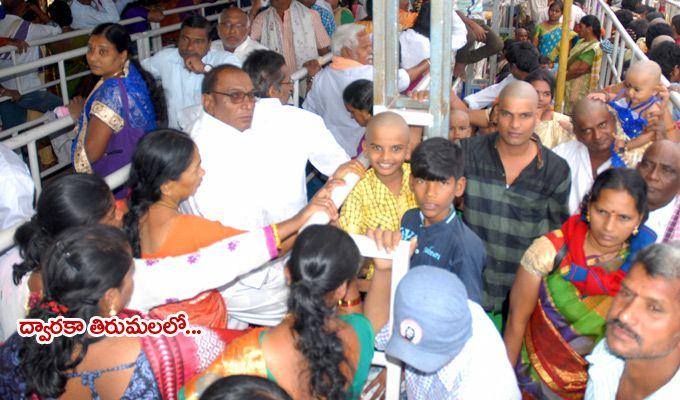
265	165
243	50
485	97
414	48
458	31
120	5
605	372
16	189
89	16
182	87
483	357
8	28
659	219
576	155
325	99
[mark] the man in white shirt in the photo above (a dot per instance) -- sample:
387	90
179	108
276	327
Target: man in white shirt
89	13
450	347
640	355
523	60
254	159
14	111
352	60
181	69
589	154
660	167
16	189
233	27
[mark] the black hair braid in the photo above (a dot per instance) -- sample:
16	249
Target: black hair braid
321	347
32	240
142	196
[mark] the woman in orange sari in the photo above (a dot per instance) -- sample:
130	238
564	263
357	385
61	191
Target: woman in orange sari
166	170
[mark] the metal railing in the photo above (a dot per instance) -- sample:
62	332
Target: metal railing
28	139
147	43
671	8
611	70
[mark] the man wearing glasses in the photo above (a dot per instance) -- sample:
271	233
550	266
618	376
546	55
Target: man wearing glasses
180	70
233	27
254	157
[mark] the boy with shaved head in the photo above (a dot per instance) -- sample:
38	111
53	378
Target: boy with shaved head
516	191
383	195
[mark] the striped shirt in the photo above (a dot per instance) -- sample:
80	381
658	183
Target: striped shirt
509	218
320	35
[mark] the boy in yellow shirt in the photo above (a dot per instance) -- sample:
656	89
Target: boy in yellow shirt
383	195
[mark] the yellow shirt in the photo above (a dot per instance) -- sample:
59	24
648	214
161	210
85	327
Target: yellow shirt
372	204
552	133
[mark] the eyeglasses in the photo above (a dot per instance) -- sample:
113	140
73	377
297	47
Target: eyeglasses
237	96
286	83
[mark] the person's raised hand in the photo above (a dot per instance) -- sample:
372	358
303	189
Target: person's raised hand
21	45
194	64
313	67
420	95
477	31
75	107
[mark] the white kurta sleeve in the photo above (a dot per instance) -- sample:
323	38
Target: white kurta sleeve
325	153
158	280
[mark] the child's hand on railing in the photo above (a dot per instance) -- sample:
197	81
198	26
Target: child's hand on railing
75	107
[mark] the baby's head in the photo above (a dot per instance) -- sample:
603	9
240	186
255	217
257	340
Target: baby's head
459	125
642	81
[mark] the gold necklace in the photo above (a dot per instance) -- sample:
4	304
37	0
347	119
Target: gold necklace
171	206
601	257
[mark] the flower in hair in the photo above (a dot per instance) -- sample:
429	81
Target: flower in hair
55	307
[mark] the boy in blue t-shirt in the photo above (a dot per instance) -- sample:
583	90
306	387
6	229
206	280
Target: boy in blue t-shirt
444	240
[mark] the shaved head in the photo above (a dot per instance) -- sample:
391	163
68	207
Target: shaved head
236	13
387	119
646	68
519	90
586	107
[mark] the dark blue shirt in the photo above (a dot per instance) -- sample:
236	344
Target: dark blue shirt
450	245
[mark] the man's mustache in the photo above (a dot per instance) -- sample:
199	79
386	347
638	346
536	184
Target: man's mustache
617	322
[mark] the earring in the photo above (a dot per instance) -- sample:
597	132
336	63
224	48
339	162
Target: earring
112	312
588	216
636	231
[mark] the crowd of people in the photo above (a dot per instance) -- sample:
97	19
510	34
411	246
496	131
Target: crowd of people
544	245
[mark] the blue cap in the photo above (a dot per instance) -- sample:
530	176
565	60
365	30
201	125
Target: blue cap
432	321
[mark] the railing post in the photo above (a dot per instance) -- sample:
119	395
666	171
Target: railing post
62	82
34	167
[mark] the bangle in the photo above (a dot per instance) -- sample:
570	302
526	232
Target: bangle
277	238
349	303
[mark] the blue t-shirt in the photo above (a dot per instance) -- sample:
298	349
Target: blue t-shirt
450	245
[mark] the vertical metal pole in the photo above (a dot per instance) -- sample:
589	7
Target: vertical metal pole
379	55
296	92
605	60
156	41
62	82
34	167
564	57
440	68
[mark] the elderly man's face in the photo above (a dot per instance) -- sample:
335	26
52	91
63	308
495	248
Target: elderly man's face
516	120
232	101
595	129
233	28
644	319
193	42
660	167
363	53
